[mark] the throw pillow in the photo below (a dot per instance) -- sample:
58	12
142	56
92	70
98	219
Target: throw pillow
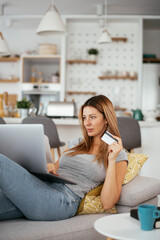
91	202
136	161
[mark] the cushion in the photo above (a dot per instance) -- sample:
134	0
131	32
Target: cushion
91	202
136	161
139	190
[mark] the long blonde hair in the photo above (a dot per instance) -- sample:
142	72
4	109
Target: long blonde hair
104	106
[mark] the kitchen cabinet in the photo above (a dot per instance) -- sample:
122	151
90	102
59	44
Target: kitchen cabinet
46	85
45	66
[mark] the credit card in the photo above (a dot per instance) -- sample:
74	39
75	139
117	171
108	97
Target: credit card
108	138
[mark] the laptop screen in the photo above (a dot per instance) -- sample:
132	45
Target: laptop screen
24	144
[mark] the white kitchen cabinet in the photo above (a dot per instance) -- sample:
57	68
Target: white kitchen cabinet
45	67
44	88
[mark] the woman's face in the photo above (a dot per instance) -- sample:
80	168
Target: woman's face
94	122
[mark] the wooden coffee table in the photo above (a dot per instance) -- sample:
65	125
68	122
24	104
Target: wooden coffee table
124	227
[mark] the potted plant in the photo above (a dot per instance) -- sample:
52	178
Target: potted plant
93	52
24	106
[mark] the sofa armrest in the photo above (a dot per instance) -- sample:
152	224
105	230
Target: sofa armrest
139	190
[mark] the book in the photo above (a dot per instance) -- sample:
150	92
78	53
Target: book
134	214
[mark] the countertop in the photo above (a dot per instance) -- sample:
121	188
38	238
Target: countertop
75	122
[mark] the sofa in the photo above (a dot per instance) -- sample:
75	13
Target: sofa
80	227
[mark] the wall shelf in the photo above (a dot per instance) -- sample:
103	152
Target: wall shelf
119	39
80	92
81	61
151	60
15	80
116	77
9	59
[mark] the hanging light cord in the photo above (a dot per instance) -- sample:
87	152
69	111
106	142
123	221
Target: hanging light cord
105	13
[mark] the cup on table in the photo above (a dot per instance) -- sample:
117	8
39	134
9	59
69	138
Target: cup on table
147	215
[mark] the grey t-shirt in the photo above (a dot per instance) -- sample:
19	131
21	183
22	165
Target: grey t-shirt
82	170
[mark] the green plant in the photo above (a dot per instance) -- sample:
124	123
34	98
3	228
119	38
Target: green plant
24	103
93	51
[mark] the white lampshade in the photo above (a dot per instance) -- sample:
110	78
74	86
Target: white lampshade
105	37
51	22
4	50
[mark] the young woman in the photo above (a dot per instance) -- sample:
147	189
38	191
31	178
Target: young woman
88	162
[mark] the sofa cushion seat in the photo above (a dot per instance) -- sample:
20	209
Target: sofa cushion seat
78	227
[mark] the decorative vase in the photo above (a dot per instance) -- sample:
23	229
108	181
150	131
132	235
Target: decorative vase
24	112
92	57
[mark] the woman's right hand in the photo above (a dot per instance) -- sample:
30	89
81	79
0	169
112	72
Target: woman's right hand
51	168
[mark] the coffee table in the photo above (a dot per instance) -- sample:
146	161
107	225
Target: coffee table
124	227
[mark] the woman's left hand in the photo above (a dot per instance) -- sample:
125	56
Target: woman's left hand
114	149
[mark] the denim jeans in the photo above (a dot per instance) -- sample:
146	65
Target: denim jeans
24	195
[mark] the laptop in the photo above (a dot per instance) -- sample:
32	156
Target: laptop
25	144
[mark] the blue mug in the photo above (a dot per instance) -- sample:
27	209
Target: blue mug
147	215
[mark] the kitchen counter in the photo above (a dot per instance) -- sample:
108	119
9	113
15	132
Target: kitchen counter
57	121
75	122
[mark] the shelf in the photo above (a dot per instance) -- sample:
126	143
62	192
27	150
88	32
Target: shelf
9	81
80	92
9	59
41	83
39	59
117	77
81	61
151	60
41	56
119	39
39	92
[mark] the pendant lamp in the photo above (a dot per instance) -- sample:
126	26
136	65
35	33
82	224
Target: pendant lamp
4	50
51	22
105	36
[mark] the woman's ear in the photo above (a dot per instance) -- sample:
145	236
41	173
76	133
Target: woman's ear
105	120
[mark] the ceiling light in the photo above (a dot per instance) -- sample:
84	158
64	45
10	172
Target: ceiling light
4	50
105	36
51	22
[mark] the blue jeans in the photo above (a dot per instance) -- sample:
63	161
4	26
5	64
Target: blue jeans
24	195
